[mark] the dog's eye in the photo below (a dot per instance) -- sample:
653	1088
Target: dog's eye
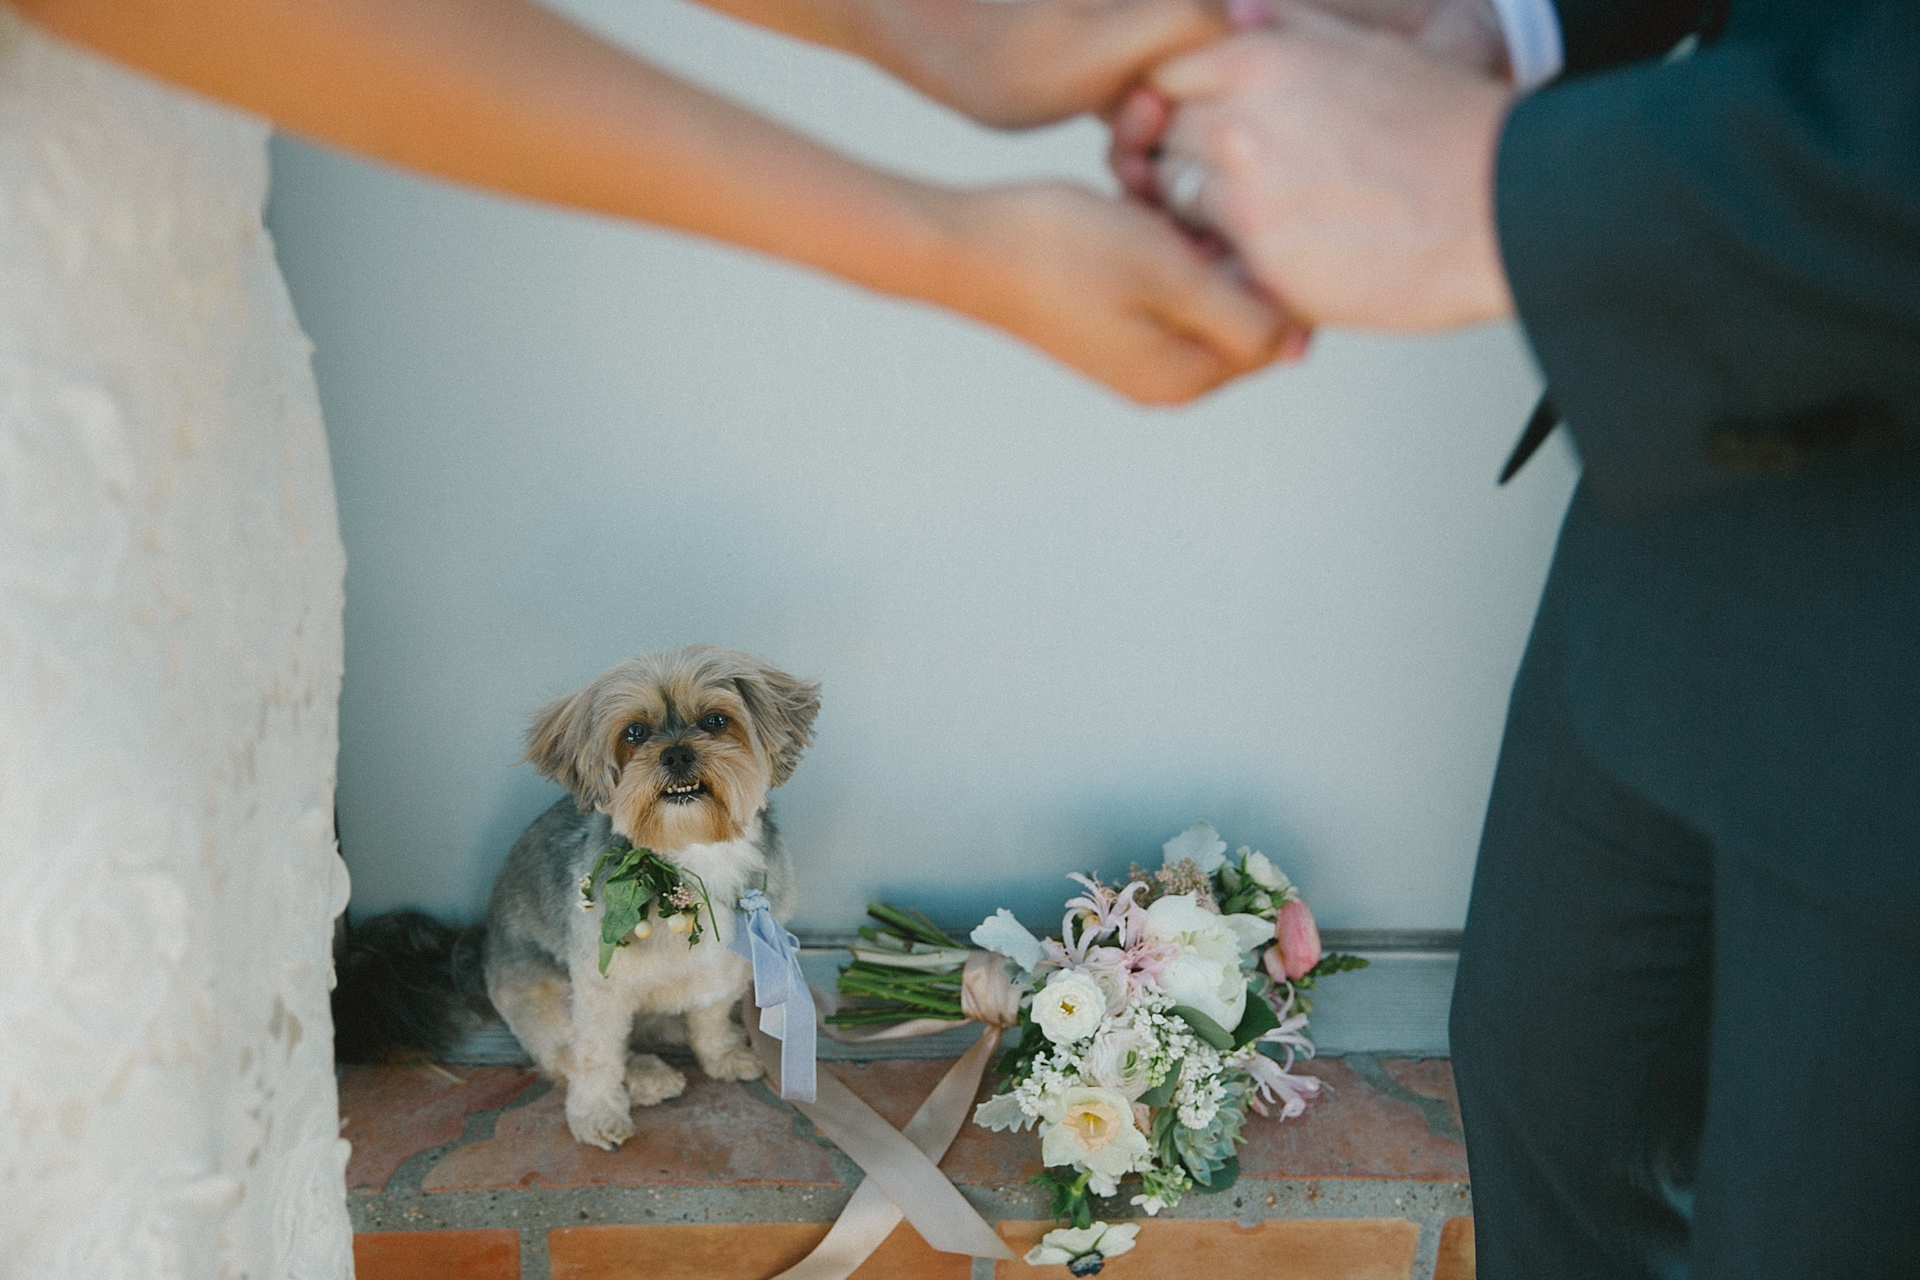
634	734
714	723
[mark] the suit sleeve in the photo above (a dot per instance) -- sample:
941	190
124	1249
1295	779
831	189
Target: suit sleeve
1717	260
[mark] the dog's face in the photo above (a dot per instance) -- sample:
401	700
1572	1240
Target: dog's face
677	748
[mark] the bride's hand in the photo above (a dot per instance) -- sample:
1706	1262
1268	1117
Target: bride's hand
1016	65
1110	288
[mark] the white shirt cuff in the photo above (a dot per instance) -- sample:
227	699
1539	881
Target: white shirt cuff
1532	32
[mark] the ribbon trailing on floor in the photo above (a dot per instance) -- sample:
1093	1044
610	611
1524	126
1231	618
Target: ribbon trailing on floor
903	1180
780	992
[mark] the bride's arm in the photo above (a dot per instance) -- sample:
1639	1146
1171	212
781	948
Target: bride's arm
1005	64
506	95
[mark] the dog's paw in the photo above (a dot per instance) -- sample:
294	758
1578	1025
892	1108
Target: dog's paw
735	1062
650	1080
599	1121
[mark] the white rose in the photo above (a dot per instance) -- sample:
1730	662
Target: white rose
1206	974
1092	1129
1069	1007
1265	874
1119	1060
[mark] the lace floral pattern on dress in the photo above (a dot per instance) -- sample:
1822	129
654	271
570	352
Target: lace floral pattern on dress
170	593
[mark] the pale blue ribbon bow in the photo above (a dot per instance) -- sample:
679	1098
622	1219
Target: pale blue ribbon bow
779	991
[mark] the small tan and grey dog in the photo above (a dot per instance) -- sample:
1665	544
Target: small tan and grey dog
674	752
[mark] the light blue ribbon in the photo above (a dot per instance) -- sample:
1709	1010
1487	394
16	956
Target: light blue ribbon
779	991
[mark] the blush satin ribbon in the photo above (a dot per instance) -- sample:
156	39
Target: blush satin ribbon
903	1180
780	992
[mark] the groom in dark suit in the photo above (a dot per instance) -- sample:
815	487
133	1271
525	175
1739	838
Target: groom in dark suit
1687	1024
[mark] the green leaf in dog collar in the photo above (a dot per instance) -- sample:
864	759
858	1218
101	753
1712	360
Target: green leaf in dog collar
637	878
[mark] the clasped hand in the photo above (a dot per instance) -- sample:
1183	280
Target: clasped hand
1334	159
1349	167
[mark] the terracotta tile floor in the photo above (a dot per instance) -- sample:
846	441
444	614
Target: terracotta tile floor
470	1172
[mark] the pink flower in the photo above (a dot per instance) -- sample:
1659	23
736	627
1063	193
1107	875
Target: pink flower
1275	1084
1297	939
1100	912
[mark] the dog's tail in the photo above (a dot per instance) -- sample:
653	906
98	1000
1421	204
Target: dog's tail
408	987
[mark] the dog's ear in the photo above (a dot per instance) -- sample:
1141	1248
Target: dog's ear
783	709
563	743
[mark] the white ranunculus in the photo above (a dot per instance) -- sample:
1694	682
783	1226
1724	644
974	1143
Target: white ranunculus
1108	967
1119	1060
1206	974
1092	1129
1265	874
1200	843
1070	1007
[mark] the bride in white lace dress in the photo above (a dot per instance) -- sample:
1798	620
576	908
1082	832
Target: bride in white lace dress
170	587
170	567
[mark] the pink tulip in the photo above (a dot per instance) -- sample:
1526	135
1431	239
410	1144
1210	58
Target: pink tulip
1298	940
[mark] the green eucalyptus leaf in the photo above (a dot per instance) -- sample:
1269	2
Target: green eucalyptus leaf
1256	1021
1161	1094
1204	1027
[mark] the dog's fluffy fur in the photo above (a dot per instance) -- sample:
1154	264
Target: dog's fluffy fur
676	752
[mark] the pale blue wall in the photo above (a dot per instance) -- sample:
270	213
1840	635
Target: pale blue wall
1052	629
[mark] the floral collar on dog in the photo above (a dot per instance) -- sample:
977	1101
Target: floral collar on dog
638	878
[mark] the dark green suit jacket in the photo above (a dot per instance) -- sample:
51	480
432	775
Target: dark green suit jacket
1717	262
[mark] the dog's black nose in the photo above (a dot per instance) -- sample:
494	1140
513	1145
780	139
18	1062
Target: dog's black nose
678	760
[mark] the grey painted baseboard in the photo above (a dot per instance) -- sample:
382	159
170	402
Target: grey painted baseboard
1397	1005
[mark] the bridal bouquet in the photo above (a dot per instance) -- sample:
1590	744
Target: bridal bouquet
1168	1007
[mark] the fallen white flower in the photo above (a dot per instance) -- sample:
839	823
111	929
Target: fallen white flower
1063	1246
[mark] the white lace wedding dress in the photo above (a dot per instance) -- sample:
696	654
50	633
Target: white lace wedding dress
170	594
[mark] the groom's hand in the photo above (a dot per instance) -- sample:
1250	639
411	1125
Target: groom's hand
1350	170
1464	32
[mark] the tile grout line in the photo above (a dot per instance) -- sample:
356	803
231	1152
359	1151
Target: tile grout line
1426	1255
535	1262
410	1176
